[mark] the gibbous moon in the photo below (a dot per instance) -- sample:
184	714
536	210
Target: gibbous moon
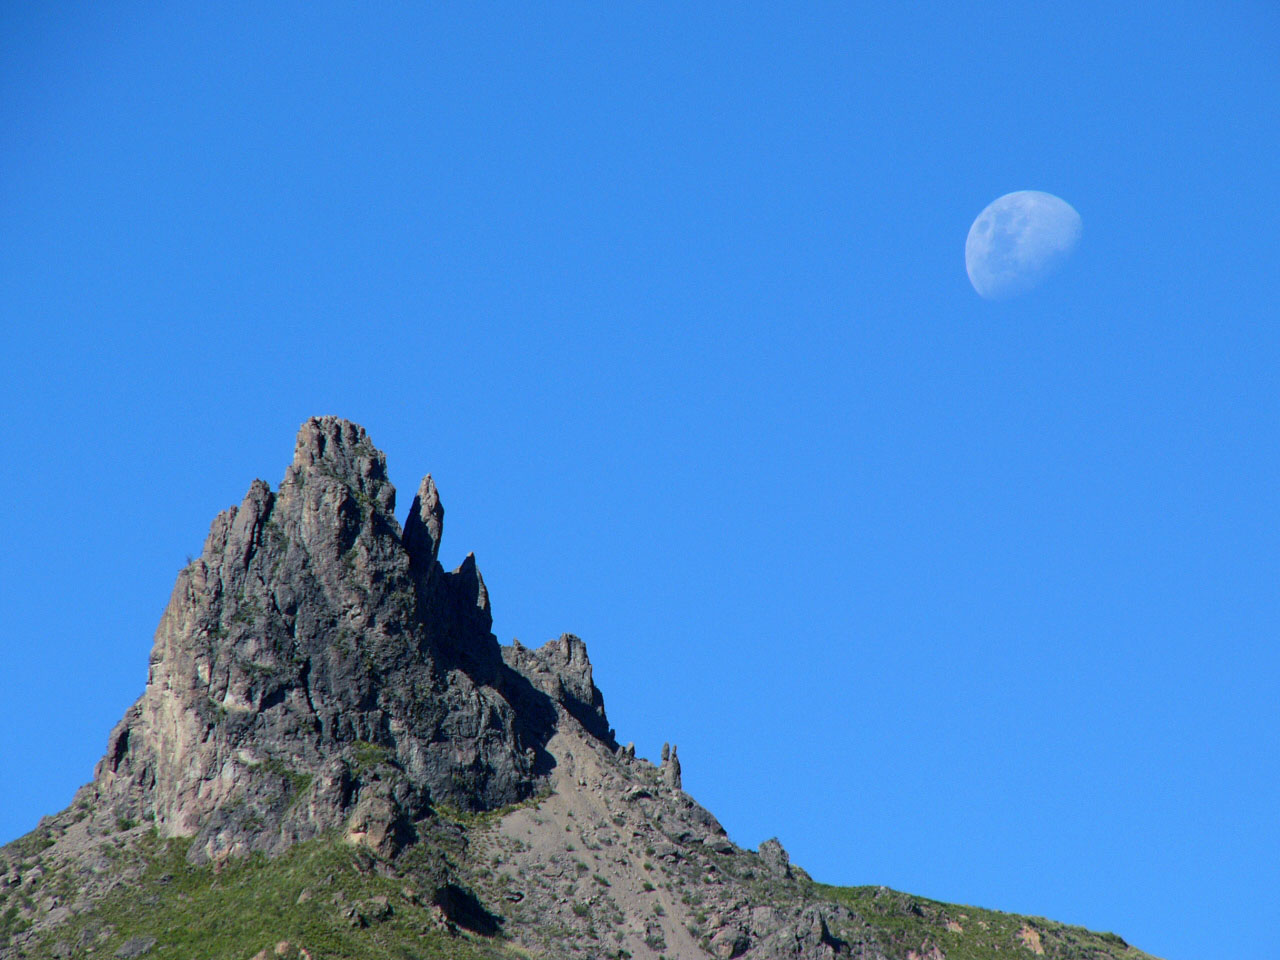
1018	241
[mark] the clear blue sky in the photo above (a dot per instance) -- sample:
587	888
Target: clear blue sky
977	600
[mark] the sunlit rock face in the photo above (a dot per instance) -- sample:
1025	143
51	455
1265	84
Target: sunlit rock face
316	660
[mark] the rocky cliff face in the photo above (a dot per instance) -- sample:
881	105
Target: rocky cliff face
316	660
319	676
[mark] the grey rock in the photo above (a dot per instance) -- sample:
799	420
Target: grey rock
135	947
561	670
665	850
775	858
718	844
314	646
764	920
813	933
671	768
730	942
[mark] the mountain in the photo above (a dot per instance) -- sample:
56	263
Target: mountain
335	758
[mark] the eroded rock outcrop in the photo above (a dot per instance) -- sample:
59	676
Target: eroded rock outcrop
317	661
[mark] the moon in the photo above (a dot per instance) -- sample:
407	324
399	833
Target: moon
1018	241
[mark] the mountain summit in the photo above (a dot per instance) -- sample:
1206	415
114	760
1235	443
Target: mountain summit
313	632
334	757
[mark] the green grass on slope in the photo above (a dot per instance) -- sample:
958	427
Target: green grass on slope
318	896
904	924
327	897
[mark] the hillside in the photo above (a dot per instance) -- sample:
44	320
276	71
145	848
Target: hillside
335	758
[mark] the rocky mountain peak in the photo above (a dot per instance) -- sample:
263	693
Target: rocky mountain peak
342	451
314	642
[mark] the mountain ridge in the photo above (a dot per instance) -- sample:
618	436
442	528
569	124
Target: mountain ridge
321	687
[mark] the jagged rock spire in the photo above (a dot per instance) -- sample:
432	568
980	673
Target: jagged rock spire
671	768
312	642
425	525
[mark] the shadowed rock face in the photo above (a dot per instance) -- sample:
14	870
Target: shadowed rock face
317	667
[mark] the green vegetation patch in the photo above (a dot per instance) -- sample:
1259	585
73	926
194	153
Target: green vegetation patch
487	818
369	755
323	896
297	782
902	924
